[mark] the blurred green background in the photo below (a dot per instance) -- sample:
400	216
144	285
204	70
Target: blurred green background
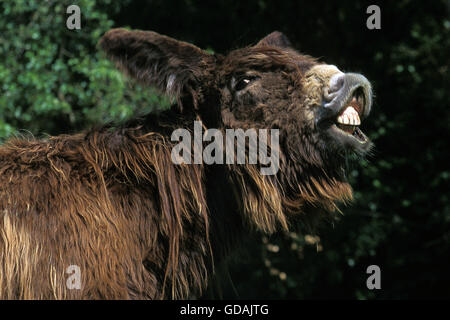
54	80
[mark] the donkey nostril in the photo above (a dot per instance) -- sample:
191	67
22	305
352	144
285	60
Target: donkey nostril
336	82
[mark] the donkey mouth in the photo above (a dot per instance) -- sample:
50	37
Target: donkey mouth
349	118
342	117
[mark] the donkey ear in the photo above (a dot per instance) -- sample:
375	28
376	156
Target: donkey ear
156	60
275	39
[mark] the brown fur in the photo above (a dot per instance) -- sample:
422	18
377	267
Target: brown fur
111	201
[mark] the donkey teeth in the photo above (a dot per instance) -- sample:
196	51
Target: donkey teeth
349	117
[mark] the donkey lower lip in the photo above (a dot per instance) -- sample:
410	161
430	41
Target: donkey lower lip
351	132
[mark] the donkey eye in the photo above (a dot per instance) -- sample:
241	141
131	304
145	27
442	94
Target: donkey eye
243	82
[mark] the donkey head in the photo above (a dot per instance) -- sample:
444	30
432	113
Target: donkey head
316	108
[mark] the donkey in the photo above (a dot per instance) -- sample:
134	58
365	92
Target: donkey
107	214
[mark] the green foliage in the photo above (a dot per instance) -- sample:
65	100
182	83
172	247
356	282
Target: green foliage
53	79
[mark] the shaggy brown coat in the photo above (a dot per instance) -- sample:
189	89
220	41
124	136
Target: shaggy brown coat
112	202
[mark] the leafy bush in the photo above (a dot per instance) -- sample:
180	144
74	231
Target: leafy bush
53	79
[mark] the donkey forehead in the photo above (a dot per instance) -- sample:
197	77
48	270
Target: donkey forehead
267	58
